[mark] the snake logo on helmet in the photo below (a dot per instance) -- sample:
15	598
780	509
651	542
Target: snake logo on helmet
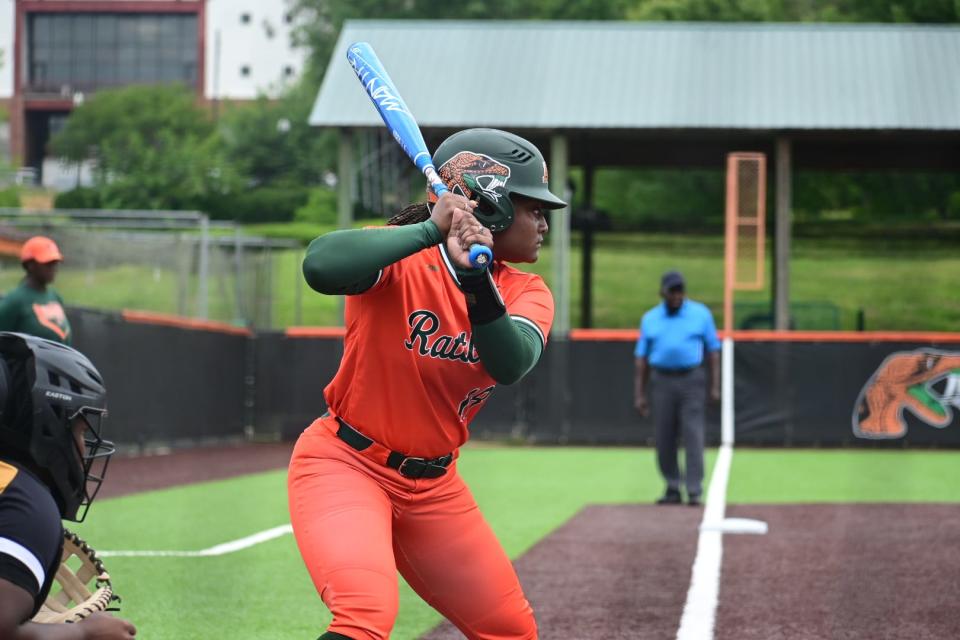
489	165
53	400
467	172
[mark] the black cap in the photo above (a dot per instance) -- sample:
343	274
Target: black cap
670	280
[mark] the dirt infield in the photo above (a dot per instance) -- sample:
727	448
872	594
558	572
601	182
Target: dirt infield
837	572
871	572
611	572
133	474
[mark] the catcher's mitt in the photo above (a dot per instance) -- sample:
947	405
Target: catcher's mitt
74	600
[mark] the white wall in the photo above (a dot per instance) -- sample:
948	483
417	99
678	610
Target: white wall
262	45
7	15
63	176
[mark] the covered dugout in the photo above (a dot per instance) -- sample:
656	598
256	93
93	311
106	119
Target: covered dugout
609	94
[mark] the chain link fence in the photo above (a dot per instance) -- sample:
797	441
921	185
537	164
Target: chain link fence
176	262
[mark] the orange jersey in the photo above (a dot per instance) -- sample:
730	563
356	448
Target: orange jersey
410	377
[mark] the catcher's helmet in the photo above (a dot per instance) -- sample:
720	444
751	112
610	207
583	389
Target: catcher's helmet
45	389
489	165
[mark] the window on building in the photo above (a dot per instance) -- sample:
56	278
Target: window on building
245	70
288	71
245	18
79	52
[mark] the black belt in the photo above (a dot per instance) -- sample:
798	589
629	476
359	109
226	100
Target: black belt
675	372
408	466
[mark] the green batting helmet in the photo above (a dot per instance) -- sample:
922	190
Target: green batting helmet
489	165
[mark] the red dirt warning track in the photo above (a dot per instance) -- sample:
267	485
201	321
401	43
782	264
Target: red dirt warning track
133	474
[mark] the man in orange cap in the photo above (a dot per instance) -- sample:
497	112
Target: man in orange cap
34	307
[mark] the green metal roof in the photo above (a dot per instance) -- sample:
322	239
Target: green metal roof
643	75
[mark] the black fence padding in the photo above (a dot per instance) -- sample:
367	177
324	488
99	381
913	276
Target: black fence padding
169	384
503	416
164	384
581	392
803	393
291	374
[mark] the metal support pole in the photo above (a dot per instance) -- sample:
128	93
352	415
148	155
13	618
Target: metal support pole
586	272
782	233
345	180
589	224
184	253
243	314
298	289
203	268
560	242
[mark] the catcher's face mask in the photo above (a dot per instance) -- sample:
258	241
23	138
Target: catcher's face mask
94	454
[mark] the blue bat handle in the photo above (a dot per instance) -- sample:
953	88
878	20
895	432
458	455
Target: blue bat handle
480	256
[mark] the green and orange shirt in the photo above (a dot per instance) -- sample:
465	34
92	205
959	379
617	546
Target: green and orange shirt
38	313
411	378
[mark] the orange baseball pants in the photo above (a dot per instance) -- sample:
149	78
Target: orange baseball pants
357	522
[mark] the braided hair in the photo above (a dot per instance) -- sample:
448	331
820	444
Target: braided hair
411	214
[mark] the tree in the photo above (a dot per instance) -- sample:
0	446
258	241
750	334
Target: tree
152	147
270	142
936	11
320	20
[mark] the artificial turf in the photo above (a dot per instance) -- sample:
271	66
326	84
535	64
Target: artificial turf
264	592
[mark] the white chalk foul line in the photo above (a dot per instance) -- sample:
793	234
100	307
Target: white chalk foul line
700	610
216	550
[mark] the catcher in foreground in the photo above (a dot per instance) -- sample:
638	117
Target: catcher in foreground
52	461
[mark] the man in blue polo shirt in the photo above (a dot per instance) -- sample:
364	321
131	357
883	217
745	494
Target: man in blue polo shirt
674	336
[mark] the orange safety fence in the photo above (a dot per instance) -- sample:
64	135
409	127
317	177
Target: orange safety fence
582	335
170	320
845	336
629	335
10	248
315	332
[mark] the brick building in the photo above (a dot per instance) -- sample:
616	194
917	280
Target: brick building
56	53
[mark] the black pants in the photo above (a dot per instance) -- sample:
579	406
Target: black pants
679	406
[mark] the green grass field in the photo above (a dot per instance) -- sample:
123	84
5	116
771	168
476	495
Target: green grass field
264	592
899	285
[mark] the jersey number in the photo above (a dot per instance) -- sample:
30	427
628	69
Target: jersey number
474	398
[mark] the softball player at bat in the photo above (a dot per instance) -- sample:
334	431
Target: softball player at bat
373	484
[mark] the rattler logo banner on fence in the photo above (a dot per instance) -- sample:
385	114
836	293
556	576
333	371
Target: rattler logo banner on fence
924	382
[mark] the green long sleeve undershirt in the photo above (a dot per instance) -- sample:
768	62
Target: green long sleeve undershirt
507	349
347	262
